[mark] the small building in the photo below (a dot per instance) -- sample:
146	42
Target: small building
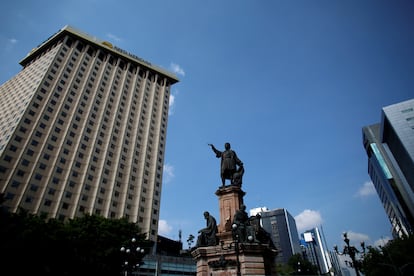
169	259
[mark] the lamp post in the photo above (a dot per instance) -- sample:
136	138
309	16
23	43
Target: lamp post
352	252
132	255
237	245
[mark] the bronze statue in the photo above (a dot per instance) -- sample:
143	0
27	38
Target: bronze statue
207	235
248	229
260	235
240	222
231	166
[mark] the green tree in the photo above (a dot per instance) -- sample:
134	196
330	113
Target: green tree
394	258
300	266
190	240
88	245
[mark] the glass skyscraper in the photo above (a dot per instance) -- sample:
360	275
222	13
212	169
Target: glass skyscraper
390	149
281	226
316	250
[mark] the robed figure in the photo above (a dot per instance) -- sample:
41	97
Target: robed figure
231	166
207	236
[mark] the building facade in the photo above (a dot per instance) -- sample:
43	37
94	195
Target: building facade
315	250
390	149
83	130
169	259
281	226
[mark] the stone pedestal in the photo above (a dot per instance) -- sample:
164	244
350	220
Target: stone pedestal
230	257
226	260
230	199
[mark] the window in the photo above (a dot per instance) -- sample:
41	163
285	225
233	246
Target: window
29	199
7	158
15	184
34	188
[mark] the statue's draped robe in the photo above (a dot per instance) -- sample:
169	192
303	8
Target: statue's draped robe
229	160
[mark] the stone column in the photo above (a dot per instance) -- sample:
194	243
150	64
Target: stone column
230	199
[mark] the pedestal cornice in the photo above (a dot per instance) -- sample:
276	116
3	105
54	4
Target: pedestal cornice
230	189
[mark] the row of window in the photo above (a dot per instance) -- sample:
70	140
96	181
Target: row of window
84	116
16	94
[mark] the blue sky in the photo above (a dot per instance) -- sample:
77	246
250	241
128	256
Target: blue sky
289	84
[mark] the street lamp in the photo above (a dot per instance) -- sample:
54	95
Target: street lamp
237	245
132	256
352	252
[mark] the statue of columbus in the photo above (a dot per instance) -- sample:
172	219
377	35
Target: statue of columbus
231	166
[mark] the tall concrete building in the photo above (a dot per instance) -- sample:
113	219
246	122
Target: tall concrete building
281	226
83	131
390	149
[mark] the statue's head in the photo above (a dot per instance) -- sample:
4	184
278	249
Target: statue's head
227	146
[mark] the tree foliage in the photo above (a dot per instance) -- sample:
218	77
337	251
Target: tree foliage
301	266
88	245
190	240
394	258
297	265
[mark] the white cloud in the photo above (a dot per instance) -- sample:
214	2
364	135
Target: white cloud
164	228
382	241
356	238
254	211
177	69
172	99
168	173
367	189
308	219
172	102
9	45
113	37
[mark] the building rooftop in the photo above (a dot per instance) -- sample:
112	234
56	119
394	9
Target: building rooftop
99	43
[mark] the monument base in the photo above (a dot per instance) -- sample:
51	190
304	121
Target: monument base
235	259
230	256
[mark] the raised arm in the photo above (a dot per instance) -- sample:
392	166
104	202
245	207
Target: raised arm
217	152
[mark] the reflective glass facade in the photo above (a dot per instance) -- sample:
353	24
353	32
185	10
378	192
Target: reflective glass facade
281	226
390	150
